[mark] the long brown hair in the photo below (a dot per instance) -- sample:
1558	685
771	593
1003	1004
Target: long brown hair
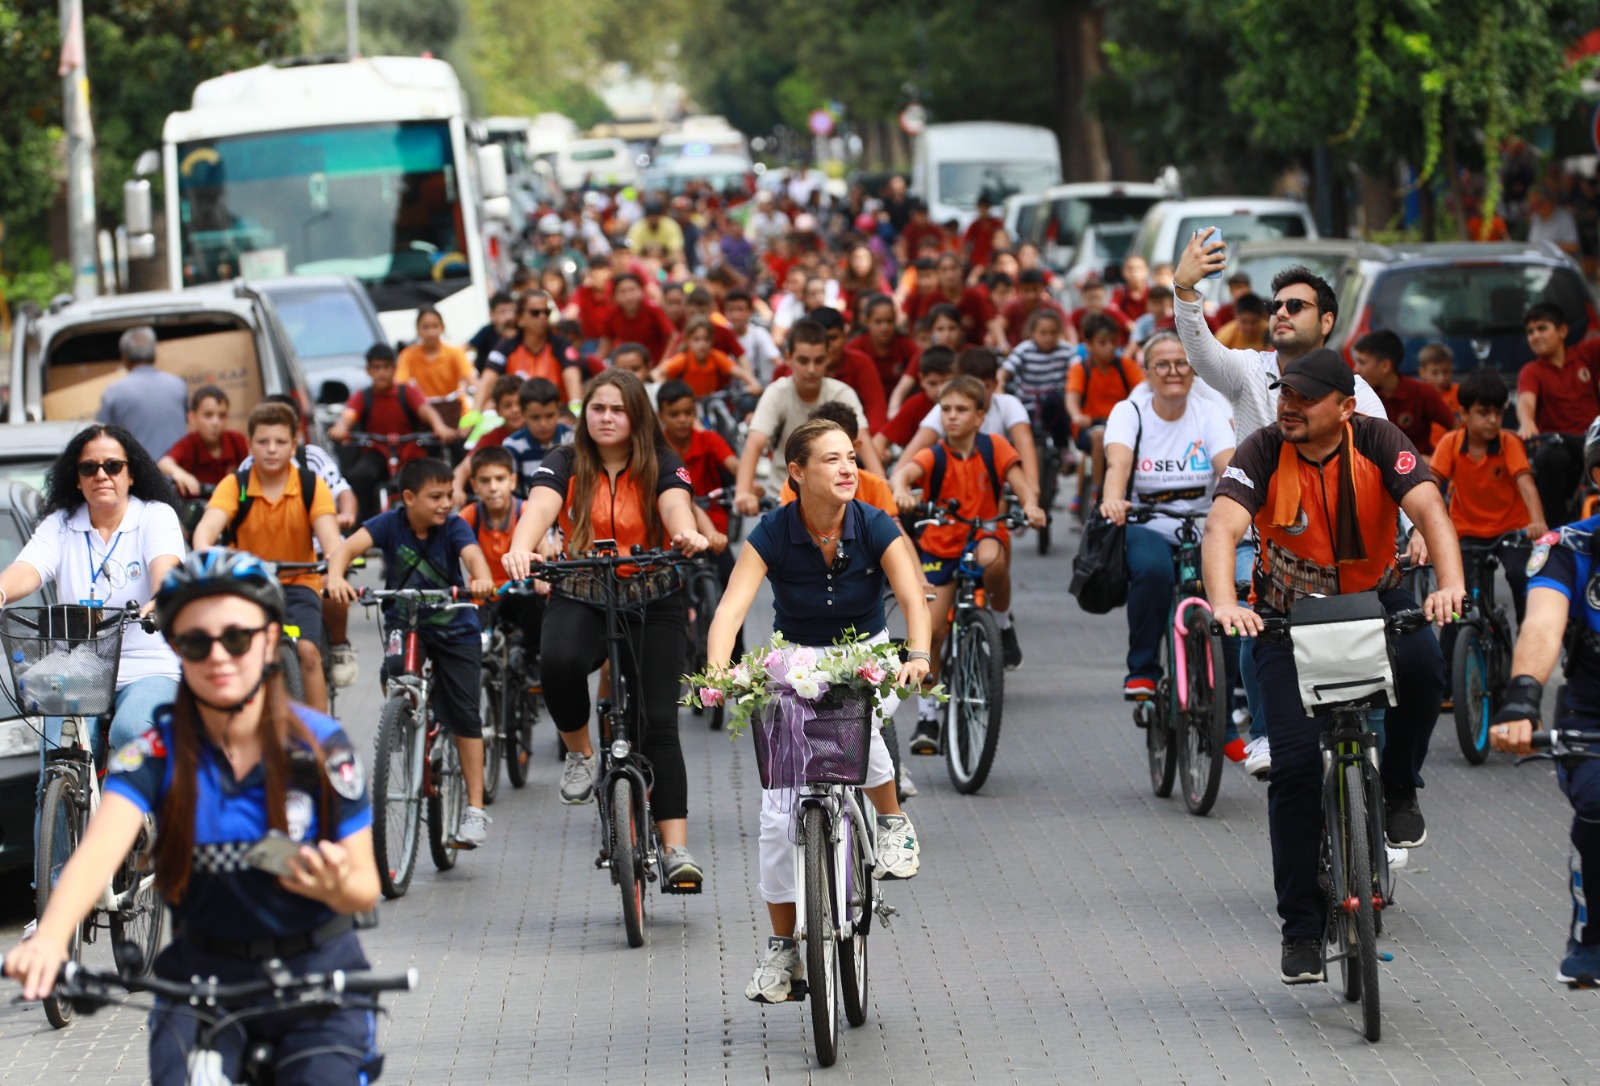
279	729
642	460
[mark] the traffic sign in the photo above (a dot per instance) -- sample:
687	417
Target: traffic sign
913	119
820	122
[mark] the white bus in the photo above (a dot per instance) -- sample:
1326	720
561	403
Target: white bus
361	167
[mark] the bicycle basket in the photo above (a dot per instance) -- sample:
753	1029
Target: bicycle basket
64	658
1341	652
814	742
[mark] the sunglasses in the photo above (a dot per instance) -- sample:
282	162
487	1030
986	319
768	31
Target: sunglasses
195	645
88	469
1293	305
536	312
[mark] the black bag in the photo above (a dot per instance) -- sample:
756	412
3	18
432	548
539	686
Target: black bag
1100	568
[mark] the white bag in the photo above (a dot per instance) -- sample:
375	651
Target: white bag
1341	652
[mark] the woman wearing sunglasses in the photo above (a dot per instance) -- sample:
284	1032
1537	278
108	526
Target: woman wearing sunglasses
110	534
230	764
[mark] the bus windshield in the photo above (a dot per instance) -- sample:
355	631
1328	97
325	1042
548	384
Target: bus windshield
379	202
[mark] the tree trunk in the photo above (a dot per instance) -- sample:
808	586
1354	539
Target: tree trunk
1378	204
1078	27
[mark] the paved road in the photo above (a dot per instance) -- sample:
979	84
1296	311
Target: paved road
1067	926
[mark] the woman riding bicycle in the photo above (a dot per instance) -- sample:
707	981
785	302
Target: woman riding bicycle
110	535
827	556
617	481
230	762
1183	445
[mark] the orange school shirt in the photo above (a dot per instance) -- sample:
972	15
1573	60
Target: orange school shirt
277	530
703	376
494	541
437	376
1484	502
966	480
1103	389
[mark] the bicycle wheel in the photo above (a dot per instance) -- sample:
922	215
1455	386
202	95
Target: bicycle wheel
60	829
1161	740
142	913
289	664
1358	876
396	795
822	960
850	869
1049	476
493	737
1203	724
449	799
519	708
1470	686
625	856
977	696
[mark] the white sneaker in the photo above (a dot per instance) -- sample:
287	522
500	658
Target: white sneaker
1241	719
577	778
1397	857
1258	758
474	829
908	787
342	669
899	854
779	968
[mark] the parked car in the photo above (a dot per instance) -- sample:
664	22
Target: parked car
331	321
19	735
28	451
1468	295
1023	214
1168	225
599	162
1068	210
1261	260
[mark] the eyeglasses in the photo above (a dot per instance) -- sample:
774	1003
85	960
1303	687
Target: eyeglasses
1180	366
195	645
88	469
1293	305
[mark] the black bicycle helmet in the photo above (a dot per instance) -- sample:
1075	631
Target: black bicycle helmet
1591	449
219	572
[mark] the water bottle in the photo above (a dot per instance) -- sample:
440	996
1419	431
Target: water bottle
396	644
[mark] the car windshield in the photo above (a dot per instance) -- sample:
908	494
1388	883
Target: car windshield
1268	227
1474	299
1069	216
324	324
32	472
960	183
379	202
1112	245
593	154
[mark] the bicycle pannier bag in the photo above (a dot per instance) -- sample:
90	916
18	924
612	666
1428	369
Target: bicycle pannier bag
1100	569
1341	651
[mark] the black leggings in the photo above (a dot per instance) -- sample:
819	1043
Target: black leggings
573	644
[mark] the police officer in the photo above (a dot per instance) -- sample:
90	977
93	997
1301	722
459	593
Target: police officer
1563	588
230	762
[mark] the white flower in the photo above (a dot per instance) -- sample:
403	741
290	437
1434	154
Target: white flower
798	673
806	686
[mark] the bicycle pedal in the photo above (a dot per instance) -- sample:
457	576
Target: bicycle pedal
797	991
681	887
885	911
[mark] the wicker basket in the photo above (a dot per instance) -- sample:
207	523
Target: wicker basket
829	747
63	659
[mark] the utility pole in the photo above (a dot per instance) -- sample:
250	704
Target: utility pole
74	72
352	28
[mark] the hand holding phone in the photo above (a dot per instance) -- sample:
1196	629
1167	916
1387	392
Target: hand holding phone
1216	236
272	854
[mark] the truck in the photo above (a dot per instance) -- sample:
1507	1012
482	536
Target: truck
358	166
953	164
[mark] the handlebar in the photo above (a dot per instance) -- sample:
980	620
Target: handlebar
1277	627
444	599
360	437
1557	740
91	985
603	561
1141	514
929	514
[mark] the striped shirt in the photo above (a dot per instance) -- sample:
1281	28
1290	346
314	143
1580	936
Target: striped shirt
1036	372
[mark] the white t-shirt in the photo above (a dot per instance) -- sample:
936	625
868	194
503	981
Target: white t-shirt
66	549
1004	412
760	353
1560	228
1173	456
780	409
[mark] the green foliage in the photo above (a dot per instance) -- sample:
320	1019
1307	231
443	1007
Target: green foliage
38	286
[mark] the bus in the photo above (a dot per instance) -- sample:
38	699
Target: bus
337	166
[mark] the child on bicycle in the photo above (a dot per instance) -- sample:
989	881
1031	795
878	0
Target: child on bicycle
935	366
424	546
209	452
492	516
541	431
508	405
1003	416
1102	378
701	366
1037	373
973	468
275	512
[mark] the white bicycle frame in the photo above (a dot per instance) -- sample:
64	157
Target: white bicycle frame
72	737
841	802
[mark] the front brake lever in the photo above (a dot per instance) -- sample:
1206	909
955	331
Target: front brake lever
1542	756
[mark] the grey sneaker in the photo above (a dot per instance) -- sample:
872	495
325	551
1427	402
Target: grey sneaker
474	829
342	669
577	778
899	855
678	868
779	968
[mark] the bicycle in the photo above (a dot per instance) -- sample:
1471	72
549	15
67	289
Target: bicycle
207	1000
704	591
294	678
630	847
1186	722
972	659
510	705
416	760
1354	863
1050	460
720	412
1480	664
64	662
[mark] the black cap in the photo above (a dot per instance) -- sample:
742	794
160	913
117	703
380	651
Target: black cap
1317	373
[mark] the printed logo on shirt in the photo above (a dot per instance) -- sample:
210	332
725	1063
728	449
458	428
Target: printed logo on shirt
297	810
543	470
345	774
1540	555
135	570
1404	463
1301	523
1403	421
1583	375
133	754
683	473
1238	476
1591	594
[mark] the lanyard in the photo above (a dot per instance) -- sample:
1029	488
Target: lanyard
94	569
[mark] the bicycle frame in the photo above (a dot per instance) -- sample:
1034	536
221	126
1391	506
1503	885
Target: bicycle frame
842	805
74	758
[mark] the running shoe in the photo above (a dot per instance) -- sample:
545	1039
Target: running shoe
1138	689
1302	961
779	968
925	740
474	829
342	669
577	778
1403	823
1012	650
907	787
1258	758
899	855
1581	967
678	867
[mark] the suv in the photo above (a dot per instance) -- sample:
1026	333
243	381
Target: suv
226	334
1471	296
1066	211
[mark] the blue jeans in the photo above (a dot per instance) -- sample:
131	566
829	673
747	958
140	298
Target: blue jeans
1150	581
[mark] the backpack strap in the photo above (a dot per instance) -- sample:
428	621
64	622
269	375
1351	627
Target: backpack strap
985	449
308	494
936	476
364	415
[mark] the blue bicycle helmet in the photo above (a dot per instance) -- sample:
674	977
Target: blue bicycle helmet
219	571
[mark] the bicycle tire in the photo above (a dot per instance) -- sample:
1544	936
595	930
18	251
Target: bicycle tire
852	861
977	700
519	710
1049	473
141	921
822	973
397	806
60	830
1470	688
446	803
1359	870
1203	724
493	738
625	864
1161	740
289	664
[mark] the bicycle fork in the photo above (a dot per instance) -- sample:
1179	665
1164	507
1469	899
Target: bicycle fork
1341	749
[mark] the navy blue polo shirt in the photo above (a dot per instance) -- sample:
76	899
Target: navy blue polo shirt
1566	560
226	899
434	561
813	605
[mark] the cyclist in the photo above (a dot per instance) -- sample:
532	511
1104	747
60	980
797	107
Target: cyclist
760	352
1101	378
1324	489
541	431
617	481
1037	372
1182	444
492	516
971	467
827	557
536	351
704	368
1032	296
894	354
1556	394
979	321
231	760
1003	416
1562	598
424	546
936	366
210	451
633	318
434	366
508	406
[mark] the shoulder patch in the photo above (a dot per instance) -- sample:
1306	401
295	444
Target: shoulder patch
133	754
683	473
1539	556
1405	463
345	773
1238	475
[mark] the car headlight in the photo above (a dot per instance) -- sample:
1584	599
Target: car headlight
19	737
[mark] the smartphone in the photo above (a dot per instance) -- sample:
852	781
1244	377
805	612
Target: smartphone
1216	236
272	853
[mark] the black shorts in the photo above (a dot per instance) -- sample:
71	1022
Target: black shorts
304	610
457	677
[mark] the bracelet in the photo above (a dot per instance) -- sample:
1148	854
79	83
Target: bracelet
918	654
1179	286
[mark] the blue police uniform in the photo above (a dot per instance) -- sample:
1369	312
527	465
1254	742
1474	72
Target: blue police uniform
1568	564
233	916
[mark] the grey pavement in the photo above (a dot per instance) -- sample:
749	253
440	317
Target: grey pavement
1067	926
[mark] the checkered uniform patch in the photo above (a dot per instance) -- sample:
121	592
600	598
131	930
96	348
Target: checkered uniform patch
222	859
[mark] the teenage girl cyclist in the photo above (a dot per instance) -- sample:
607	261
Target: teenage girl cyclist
619	481
231	760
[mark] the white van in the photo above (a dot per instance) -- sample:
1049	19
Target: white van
953	163
603	162
1068	210
1168	225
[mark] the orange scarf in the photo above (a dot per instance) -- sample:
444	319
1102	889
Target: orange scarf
1348	544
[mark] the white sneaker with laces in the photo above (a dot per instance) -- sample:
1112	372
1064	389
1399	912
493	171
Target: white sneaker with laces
779	968
899	854
474	829
908	787
342	669
1258	758
577	779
